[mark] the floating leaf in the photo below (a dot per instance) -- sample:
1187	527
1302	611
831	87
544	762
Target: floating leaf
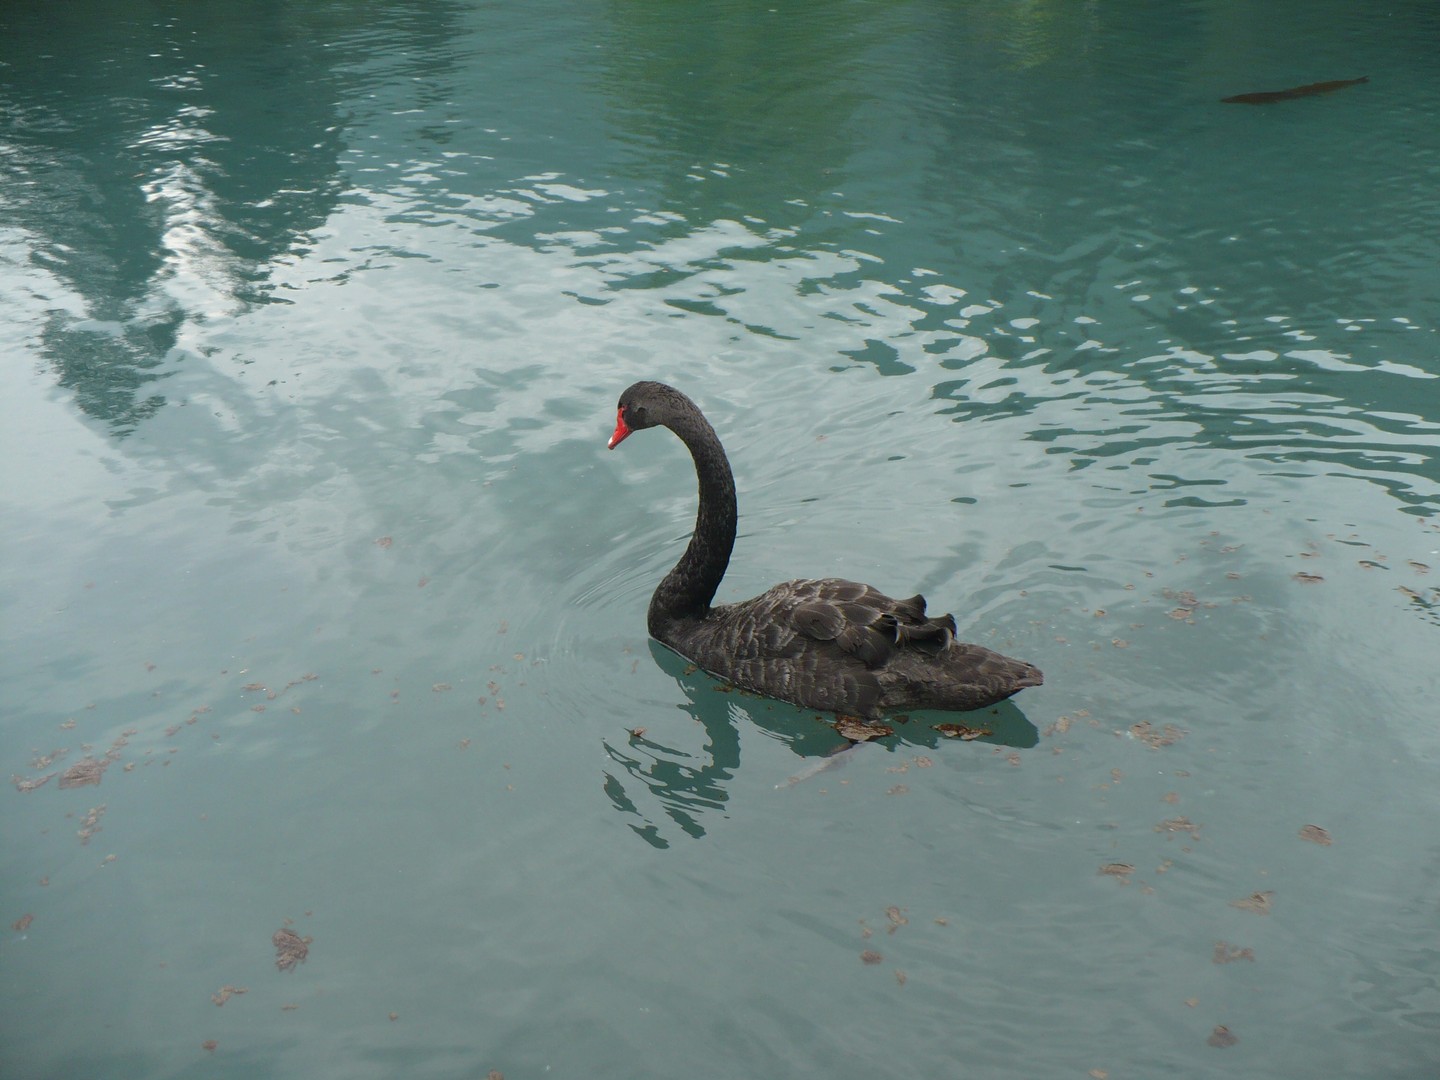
290	949
1154	737
84	772
1257	902
1226	953
225	993
1222	1037
857	730
960	731
1316	835
870	956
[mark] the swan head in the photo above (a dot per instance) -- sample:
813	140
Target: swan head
647	404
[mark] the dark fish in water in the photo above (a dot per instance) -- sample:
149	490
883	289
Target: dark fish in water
1269	97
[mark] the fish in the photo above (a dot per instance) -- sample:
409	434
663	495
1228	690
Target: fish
1269	97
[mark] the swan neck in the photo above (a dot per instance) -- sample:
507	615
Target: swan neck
686	592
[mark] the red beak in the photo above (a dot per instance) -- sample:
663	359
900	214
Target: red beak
622	430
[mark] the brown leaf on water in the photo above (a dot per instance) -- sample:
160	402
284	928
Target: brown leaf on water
1121	870
24	785
383	541
1257	902
1418	567
960	731
1171	797
1154	737
22	924
290	949
1306	579
84	772
495	1074
1222	1037
898	789
900	976
870	956
90	824
209	1045
857	730
1180	824
394	1016
1226	953
1098	1074
637	732
1316	835
441	687
896	917
225	993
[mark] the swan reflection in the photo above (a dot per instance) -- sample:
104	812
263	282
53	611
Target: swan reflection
689	784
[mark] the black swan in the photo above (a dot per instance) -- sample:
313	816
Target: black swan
828	644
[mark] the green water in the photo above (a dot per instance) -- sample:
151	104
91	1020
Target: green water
316	315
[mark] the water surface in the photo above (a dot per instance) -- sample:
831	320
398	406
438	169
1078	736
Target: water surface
316	318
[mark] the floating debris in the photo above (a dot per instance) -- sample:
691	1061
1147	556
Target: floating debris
1306	579
1121	870
1257	902
898	789
290	949
896	918
84	772
383	542
1154	737
225	993
1222	1037
856	730
1316	835
24	785
441	687
1180	824
637	732
22	924
960	731
90	824
1226	953
900	977
870	956
1270	97
209	1045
